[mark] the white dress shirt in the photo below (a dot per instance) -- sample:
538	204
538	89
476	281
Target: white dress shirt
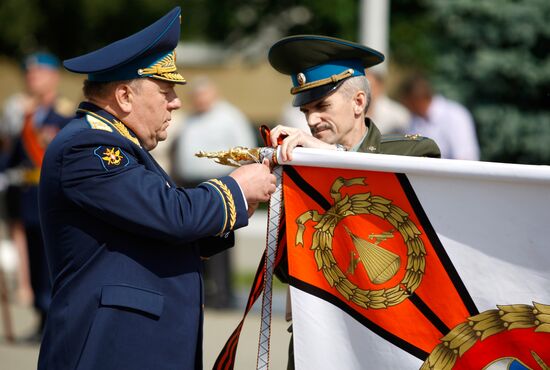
451	126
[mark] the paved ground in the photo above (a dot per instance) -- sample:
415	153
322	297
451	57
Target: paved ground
218	326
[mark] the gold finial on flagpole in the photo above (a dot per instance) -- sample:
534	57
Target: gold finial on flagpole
240	155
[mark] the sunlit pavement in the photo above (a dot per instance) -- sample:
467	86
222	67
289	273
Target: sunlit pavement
219	324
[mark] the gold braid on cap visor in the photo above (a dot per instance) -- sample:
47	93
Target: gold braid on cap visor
165	69
332	79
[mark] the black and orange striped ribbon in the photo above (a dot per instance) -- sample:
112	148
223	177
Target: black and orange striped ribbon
34	149
226	358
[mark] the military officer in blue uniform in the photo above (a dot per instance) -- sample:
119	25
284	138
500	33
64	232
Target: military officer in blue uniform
41	118
124	244
330	87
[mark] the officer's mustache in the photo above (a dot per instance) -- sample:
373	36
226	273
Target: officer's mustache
320	127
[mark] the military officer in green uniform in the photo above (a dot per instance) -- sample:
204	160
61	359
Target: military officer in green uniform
330	87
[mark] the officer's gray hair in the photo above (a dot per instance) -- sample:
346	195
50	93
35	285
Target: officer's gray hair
359	83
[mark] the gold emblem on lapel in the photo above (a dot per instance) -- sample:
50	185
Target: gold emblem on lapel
123	130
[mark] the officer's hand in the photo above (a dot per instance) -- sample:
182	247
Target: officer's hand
256	182
293	137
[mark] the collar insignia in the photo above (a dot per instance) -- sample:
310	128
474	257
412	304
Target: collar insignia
123	130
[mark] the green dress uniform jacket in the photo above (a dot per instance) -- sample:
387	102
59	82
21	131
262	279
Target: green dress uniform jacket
409	145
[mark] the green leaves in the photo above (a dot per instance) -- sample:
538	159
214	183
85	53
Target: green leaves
493	57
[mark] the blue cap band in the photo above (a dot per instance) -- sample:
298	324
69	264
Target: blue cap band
327	70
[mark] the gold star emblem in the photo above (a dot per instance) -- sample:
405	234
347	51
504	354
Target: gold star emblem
112	156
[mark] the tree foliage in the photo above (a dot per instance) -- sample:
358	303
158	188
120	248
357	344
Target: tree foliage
493	57
72	27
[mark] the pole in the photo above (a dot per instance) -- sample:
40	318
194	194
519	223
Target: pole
374	26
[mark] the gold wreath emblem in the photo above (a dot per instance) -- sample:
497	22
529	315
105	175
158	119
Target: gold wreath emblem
112	156
481	326
363	204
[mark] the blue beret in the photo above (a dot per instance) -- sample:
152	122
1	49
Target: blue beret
41	59
148	53
319	64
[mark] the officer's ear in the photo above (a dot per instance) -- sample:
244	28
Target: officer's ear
124	97
359	102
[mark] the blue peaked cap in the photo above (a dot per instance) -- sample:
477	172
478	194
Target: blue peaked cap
318	65
147	53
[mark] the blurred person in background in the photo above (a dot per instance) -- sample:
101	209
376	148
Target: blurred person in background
213	124
30	121
291	116
40	98
447	122
390	116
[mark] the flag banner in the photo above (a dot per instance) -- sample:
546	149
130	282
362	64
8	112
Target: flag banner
402	262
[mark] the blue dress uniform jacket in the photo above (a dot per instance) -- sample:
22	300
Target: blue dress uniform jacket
124	249
22	203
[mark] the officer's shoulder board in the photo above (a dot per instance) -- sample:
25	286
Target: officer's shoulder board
408	137
414	145
98	124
